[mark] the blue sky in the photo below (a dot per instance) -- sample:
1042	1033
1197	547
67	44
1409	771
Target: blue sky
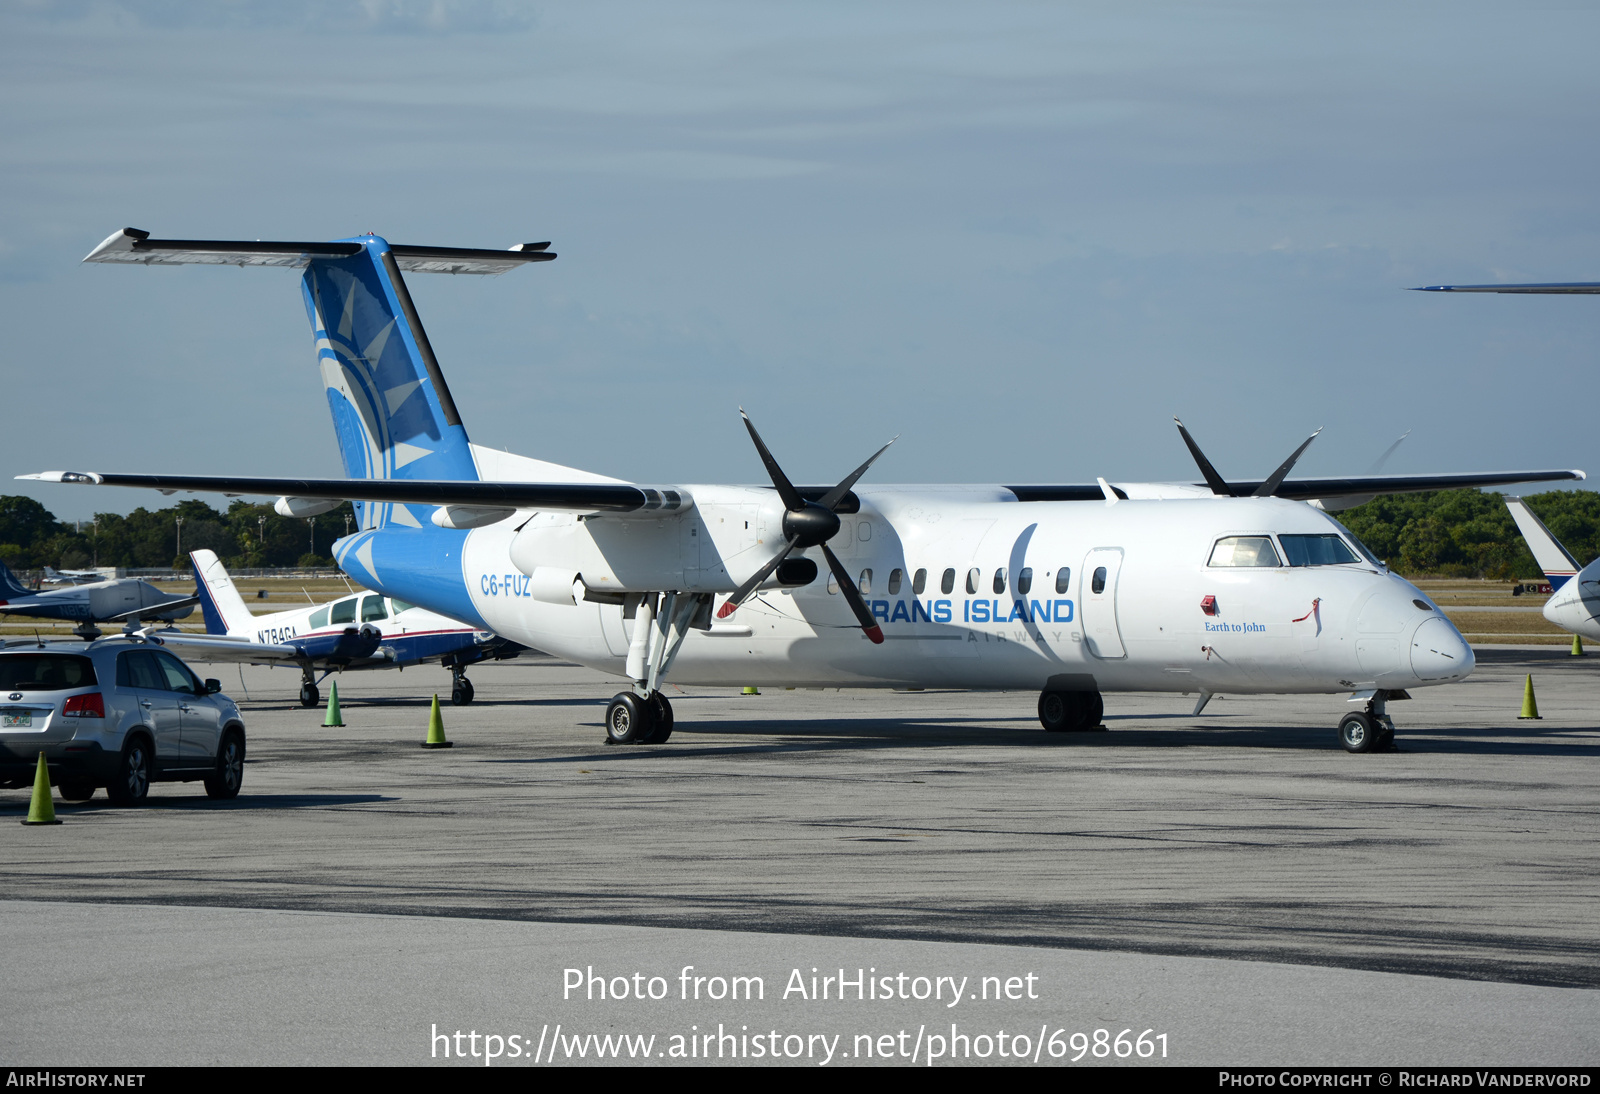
1021	235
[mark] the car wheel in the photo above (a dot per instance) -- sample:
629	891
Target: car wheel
1357	733
132	780
76	792
224	782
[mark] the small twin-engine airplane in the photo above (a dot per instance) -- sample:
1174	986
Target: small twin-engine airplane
1574	604
361	631
1069	590
116	601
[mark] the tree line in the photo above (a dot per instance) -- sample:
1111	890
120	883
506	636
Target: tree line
247	535
1450	533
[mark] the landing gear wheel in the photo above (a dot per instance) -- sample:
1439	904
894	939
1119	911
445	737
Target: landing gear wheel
629	720
309	695
223	783
1358	732
1070	711
466	685
132	780
76	792
662	712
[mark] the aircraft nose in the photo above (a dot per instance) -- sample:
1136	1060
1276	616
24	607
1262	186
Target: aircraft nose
1438	652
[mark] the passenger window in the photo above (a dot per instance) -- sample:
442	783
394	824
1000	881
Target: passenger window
865	584
894	581
1325	550
1097	584
919	582
974	576
1063	579
344	612
136	669
319	618
372	608
999	581
1025	581
177	677
1244	551
833	585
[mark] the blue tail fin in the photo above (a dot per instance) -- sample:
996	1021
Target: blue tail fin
392	411
9	585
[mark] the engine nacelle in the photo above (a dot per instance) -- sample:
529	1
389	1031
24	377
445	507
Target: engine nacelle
305	507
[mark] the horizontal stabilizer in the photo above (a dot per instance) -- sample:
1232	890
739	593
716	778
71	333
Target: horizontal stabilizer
153	611
133	245
1559	288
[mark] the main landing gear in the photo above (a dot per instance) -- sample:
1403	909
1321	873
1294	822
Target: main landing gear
460	687
1071	711
1371	729
310	696
642	715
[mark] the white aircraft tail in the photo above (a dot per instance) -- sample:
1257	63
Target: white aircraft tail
224	609
1554	559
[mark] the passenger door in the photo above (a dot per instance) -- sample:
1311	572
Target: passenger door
201	719
1097	605
140	672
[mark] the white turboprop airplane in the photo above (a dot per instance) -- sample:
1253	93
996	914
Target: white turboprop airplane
360	631
1071	591
1574	603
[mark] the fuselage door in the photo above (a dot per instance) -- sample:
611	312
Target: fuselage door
1097	604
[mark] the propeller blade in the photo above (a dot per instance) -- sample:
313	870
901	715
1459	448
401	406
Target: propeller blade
1266	489
1213	480
786	491
1383	459
752	581
831	498
852	596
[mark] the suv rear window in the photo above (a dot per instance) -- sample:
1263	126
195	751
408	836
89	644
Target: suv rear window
45	672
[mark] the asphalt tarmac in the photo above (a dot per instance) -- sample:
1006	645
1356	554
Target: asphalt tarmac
1169	862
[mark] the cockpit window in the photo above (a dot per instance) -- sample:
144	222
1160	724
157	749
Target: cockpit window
1244	551
1362	547
1324	550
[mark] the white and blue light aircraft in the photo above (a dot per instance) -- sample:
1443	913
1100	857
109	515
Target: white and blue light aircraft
360	631
1574	603
1068	590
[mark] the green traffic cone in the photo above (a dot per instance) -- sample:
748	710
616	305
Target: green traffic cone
42	810
334	718
1577	646
752	691
436	728
1530	709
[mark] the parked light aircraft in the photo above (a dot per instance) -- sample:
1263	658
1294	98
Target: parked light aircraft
361	631
104	602
1574	603
72	577
1068	590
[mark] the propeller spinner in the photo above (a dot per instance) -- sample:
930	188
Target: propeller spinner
808	524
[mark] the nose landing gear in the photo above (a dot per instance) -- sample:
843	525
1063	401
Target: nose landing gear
1370	730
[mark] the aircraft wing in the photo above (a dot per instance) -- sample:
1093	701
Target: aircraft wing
1562	288
219	647
1316	489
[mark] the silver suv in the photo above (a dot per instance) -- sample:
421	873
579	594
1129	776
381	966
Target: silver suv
117	713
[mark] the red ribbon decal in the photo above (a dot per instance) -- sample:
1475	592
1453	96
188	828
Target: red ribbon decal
1309	614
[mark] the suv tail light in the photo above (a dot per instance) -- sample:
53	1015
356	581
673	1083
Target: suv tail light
89	705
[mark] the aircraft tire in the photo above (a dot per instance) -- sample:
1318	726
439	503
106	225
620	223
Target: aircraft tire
629	720
661	709
310	695
1070	711
472	692
1358	733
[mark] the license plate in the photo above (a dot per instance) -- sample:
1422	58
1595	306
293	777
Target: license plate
17	721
